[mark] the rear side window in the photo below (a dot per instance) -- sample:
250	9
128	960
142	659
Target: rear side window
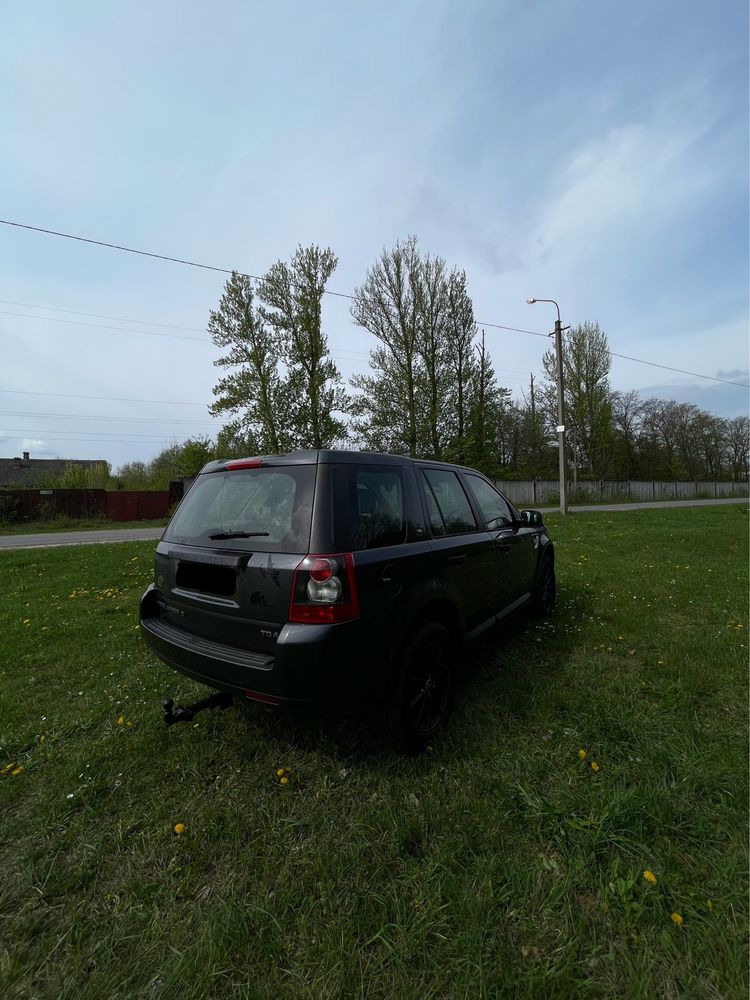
447	505
368	507
272	504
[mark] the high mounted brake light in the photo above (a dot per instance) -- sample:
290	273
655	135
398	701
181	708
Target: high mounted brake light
324	590
245	463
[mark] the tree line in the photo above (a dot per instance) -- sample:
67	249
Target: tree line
431	390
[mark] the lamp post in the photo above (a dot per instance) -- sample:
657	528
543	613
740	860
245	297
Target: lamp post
560	404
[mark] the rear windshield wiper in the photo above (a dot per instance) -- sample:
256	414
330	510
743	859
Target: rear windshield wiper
238	534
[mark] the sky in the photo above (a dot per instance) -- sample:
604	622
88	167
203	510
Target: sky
591	153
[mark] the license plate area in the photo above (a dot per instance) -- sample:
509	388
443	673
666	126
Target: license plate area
206	578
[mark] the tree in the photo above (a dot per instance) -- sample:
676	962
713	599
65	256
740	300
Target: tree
485	433
738	446
627	413
588	397
460	332
387	305
254	392
291	295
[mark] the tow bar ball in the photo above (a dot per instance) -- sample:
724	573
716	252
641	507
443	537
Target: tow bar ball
179	714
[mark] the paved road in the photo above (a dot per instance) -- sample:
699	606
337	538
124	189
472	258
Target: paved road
55	538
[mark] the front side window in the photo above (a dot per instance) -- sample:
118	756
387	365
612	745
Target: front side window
448	507
496	511
264	510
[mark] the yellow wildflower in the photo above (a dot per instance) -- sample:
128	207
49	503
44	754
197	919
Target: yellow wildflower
709	904
676	919
179	828
649	876
280	773
594	766
285	780
581	754
8	767
16	770
121	720
130	725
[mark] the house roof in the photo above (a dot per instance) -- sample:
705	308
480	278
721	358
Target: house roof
19	473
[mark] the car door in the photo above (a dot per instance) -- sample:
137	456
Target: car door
464	550
515	545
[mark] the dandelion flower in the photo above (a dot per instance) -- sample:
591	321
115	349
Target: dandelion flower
676	919
709	904
130	725
285	780
281	772
649	876
594	766
8	767
179	828
121	720
16	770
581	754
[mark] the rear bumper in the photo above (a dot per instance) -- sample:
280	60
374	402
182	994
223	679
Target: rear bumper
315	667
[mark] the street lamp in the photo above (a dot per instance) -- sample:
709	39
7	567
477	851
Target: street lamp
560	404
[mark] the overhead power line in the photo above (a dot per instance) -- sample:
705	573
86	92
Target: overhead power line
108	399
119	319
339	352
101	416
342	295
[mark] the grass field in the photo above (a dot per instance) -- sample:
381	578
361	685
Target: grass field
502	863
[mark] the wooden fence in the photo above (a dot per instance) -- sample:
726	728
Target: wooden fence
121	505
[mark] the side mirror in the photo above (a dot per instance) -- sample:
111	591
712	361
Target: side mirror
531	518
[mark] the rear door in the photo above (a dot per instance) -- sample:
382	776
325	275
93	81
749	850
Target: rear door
464	549
515	545
225	565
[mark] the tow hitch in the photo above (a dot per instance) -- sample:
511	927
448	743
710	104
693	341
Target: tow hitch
179	714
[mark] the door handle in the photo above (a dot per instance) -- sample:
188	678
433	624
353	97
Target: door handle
390	574
502	546
456	560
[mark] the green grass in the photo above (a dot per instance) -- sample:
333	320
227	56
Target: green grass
75	524
497	865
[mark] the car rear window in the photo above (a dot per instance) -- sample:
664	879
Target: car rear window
368	507
272	504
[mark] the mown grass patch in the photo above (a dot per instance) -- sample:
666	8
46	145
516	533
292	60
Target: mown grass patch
500	863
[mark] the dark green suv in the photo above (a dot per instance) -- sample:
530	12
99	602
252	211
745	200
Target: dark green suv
341	580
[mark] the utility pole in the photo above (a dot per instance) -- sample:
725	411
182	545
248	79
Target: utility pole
575	460
560	404
533	427
560	415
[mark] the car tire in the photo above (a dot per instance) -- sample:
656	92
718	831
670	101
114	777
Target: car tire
545	592
420	696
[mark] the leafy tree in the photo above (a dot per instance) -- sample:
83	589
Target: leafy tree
387	305
738	446
82	477
254	393
461	365
132	476
291	295
588	397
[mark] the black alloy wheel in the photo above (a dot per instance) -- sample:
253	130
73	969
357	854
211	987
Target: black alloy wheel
546	593
420	698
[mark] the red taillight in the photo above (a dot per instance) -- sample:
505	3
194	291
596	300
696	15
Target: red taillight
245	463
324	589
321	570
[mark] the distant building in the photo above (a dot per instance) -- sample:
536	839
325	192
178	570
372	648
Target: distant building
20	473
